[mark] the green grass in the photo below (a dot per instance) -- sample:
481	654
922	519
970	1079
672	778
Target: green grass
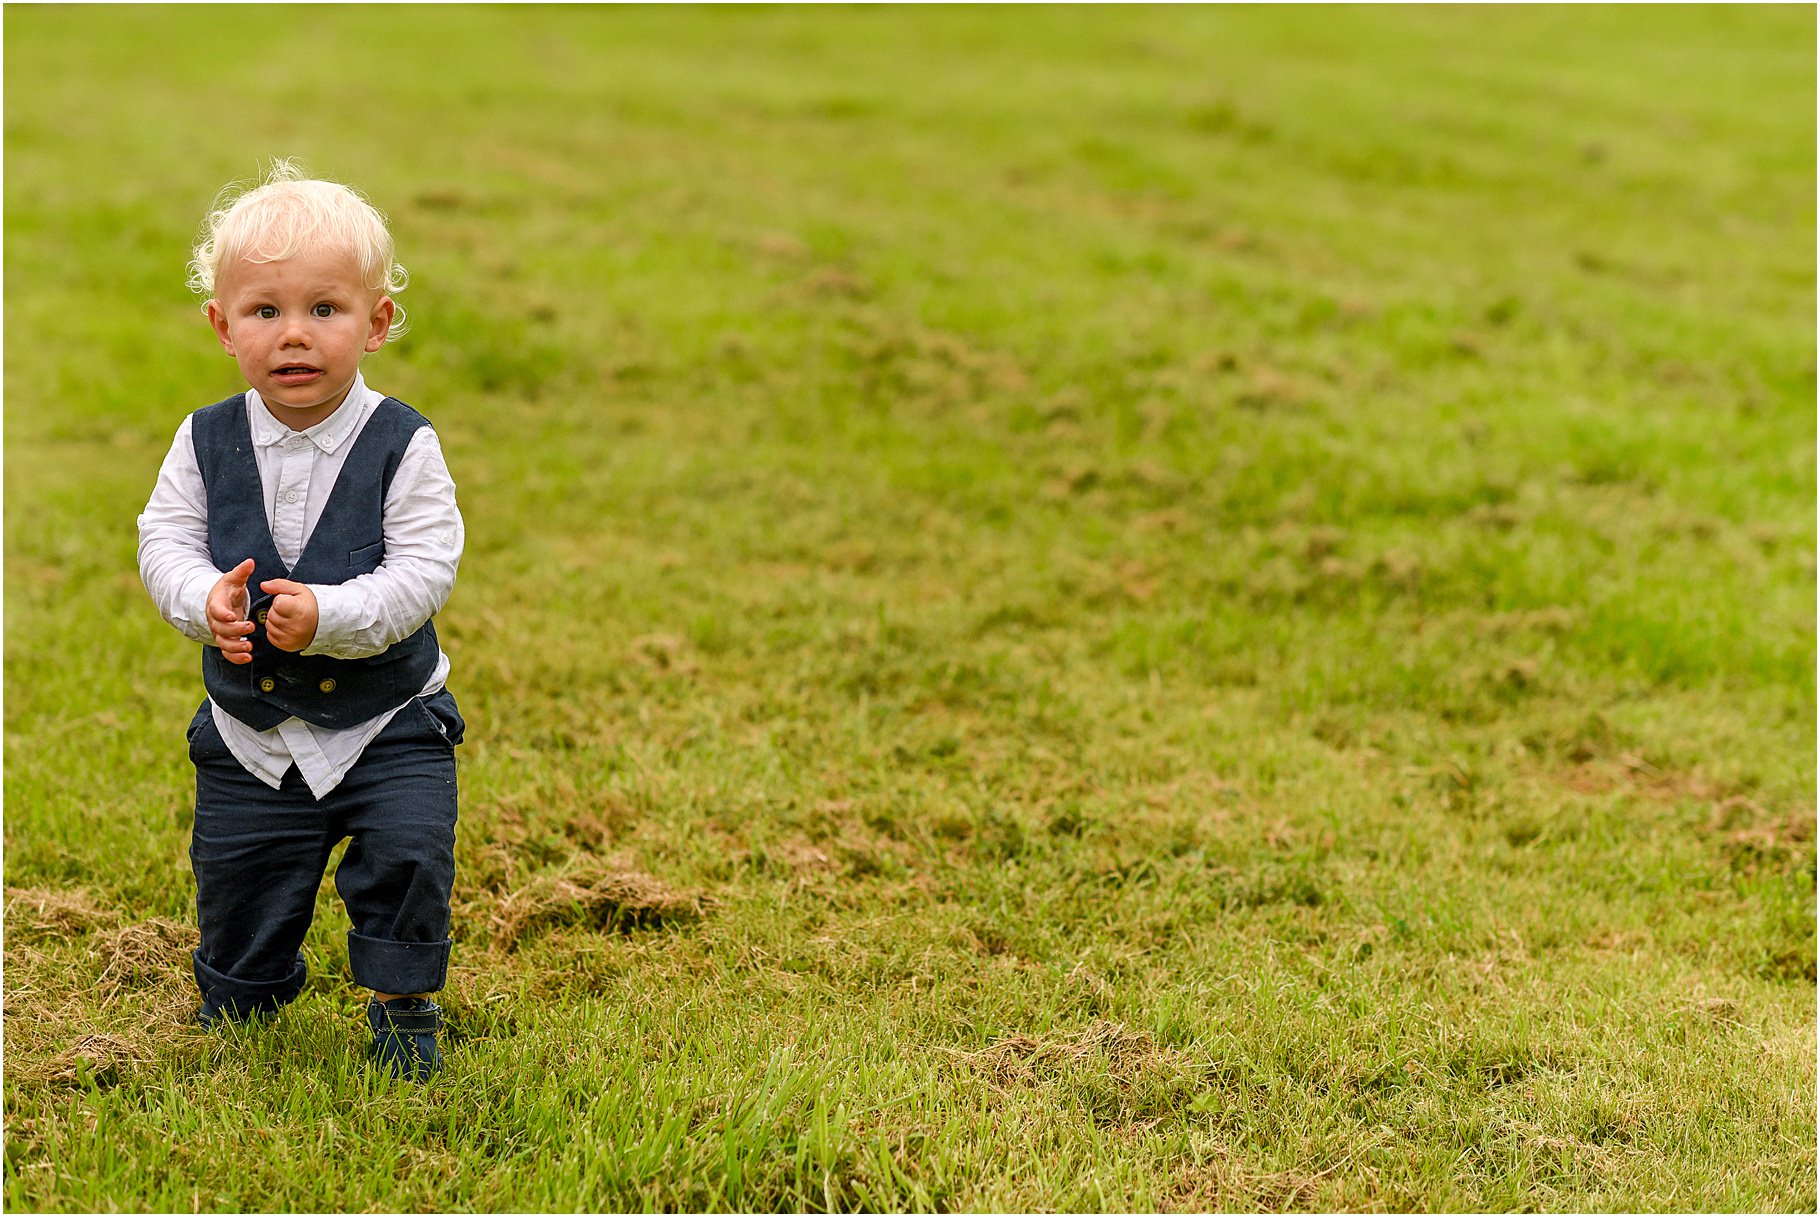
1064	608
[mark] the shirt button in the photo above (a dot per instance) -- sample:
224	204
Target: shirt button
290	496
327	686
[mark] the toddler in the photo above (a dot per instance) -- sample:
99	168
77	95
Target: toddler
305	532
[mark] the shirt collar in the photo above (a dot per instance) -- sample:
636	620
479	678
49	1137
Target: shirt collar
331	433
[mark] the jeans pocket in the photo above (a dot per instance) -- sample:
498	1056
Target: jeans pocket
204	737
203	714
445	719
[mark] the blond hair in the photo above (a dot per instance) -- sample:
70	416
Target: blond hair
287	213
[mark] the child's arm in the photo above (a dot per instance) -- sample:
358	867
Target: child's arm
174	562
423	543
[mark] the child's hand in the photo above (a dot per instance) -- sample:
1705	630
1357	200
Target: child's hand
226	613
290	623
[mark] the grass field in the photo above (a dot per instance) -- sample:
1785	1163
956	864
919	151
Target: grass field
1064	608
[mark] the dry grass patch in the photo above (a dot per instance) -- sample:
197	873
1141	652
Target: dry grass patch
143	954
1124	1056
97	1060
1634	774
51	913
800	856
1755	838
125	993
1222	1183
606	899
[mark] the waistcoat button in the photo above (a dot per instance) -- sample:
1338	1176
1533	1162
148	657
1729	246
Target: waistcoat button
267	685
327	686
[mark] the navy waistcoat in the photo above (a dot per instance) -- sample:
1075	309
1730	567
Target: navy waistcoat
348	540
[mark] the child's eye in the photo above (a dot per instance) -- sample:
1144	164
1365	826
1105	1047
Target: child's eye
324	310
266	311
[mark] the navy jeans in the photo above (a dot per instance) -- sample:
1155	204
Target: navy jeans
259	856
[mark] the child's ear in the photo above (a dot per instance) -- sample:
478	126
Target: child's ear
218	319
381	323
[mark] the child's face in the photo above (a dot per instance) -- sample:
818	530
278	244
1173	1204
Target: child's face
298	328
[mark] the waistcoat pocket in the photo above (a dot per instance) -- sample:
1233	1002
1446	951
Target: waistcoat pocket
366	558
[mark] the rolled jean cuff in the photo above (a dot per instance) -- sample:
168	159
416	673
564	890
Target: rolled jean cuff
387	966
239	998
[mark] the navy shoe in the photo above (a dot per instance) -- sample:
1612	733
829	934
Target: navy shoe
212	1014
404	1036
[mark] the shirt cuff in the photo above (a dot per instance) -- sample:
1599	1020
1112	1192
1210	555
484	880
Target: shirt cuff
193	606
337	620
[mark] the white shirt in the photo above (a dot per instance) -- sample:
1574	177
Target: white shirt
297	469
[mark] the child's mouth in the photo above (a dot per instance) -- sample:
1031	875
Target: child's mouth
293	374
